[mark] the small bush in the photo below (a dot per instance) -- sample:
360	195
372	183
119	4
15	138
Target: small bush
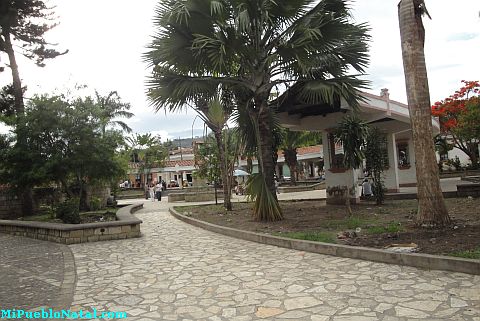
95	204
69	211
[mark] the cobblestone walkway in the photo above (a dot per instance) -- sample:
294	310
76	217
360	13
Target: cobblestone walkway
179	272
35	274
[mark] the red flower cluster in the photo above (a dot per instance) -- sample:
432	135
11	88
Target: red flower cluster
451	107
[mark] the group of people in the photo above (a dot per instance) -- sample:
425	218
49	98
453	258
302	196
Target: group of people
155	192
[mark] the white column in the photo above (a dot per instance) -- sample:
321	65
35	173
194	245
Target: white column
391	174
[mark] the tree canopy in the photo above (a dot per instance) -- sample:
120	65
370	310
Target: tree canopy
459	116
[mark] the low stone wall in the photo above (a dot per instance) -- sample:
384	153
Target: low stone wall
10	206
127	226
302	188
194	197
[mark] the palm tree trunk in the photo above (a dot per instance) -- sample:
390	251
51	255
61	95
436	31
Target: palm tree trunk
265	148
431	206
291	160
227	202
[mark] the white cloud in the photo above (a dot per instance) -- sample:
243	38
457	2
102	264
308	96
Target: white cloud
107	38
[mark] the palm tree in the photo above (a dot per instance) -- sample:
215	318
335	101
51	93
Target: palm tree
291	140
255	46
431	206
351	133
215	114
111	107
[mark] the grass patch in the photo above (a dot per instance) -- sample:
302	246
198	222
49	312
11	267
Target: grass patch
392	227
309	236
470	254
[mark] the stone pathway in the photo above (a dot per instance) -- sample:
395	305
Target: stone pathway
179	272
35	274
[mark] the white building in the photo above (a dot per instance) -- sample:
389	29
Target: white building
390	116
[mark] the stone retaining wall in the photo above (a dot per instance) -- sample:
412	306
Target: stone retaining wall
10	206
194	197
127	226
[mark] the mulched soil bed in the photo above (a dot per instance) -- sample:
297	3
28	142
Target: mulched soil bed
381	226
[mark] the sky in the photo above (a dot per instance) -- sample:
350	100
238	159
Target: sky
106	40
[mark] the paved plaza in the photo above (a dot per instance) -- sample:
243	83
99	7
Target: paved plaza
179	272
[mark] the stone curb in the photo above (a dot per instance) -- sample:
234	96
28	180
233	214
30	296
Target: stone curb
69	280
423	261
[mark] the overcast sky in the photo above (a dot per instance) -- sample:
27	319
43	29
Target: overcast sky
106	39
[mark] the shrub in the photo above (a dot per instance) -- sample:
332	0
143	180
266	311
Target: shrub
95	204
69	211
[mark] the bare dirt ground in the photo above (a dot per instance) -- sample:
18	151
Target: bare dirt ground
376	226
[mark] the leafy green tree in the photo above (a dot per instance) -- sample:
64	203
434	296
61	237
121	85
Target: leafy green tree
253	47
291	141
376	156
351	133
63	145
23	25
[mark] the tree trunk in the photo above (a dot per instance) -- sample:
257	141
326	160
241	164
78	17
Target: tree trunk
431	206
265	148
291	160
17	83
227	202
26	194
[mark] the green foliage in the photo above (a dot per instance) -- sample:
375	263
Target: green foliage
63	144
351	133
376	154
469	254
393	227
265	207
69	211
324	237
95	204
26	22
208	162
252	47
291	140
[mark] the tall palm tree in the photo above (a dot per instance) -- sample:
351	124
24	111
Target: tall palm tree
431	206
291	141
255	46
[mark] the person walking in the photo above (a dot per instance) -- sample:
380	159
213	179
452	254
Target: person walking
152	192
158	191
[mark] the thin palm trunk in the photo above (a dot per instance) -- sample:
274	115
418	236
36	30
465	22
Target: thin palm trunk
431	206
227	202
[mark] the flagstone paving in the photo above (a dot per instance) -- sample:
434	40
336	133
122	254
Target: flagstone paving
180	272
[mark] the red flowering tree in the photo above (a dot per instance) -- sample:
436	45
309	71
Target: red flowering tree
459	117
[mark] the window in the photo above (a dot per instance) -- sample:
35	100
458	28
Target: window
444	156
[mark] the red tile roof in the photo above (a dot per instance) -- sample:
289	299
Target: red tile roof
306	150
